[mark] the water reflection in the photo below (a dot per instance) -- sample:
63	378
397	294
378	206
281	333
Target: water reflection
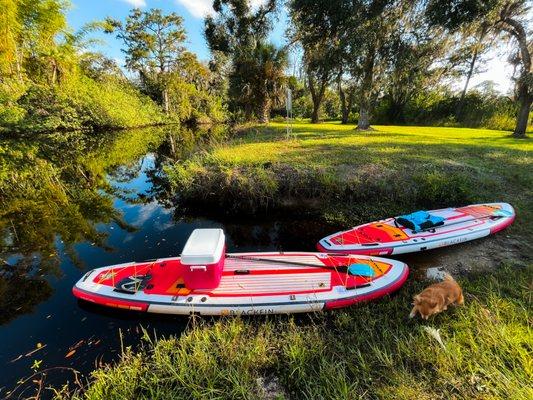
72	202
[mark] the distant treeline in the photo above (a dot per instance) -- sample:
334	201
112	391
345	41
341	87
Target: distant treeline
49	80
365	61
481	107
374	61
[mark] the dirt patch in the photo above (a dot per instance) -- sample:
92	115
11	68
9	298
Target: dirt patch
477	256
270	388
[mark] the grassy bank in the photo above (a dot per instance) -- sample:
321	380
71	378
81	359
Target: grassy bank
351	177
370	351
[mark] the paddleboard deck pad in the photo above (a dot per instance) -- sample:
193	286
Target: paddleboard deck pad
250	284
387	237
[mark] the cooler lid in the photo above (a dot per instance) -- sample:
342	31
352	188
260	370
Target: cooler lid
204	246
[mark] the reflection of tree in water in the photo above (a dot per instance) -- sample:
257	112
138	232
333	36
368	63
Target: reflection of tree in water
56	188
284	232
59	187
20	293
178	145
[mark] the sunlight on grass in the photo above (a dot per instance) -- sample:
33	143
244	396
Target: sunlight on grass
399	168
333	143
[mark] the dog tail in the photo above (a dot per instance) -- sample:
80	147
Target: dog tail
448	277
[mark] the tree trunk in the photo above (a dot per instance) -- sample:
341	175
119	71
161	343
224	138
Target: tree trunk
522	118
166	101
264	111
364	107
248	111
525	91
172	142
342	97
315	117
459	108
316	97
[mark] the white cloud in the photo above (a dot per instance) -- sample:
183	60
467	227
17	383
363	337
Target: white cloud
136	3
198	8
202	8
257	3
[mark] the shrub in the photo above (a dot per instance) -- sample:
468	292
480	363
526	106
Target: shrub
478	110
81	103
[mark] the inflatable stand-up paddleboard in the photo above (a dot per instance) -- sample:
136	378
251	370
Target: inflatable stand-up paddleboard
206	281
422	230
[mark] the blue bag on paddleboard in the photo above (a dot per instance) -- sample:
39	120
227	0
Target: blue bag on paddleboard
420	220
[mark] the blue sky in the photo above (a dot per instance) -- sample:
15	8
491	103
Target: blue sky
193	12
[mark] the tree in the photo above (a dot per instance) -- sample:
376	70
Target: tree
509	21
356	31
319	68
346	89
239	32
370	37
503	16
29	38
415	56
154	46
259	78
9	32
476	49
315	25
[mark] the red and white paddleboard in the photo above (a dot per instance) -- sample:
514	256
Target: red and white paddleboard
249	283
388	237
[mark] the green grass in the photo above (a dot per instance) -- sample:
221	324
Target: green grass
365	352
352	176
333	144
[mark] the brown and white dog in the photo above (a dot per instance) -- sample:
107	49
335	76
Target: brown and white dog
437	297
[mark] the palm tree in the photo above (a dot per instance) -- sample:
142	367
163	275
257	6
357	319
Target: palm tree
259	77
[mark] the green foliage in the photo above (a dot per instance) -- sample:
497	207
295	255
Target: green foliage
154	46
112	103
478	109
190	93
82	103
238	32
154	41
48	82
454	13
257	79
56	186
368	351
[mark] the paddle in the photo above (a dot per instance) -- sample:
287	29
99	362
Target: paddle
358	269
340	268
